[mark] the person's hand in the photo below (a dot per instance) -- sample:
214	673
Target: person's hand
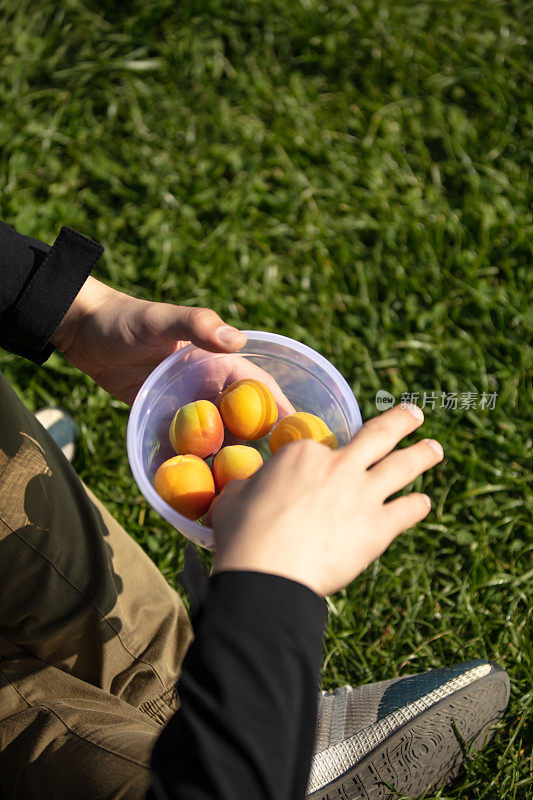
118	340
218	373
320	516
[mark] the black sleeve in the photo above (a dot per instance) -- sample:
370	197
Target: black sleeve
246	725
37	285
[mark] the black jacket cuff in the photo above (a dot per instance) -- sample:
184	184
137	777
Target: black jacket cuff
270	601
48	295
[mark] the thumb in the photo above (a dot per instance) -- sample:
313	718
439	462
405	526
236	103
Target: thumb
201	326
207	330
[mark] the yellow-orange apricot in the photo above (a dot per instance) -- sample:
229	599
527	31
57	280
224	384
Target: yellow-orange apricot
236	461
248	409
187	484
301	425
197	429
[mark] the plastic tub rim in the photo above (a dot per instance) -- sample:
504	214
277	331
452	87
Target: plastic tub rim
202	534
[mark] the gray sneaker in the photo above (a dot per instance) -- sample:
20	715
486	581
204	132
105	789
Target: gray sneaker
405	736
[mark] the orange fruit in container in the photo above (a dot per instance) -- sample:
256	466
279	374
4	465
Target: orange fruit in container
187	484
301	425
197	429
236	461
248	409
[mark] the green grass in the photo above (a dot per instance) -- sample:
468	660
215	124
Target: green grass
354	176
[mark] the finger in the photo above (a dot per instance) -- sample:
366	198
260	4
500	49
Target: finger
231	489
404	512
221	372
399	468
381	434
209	516
201	326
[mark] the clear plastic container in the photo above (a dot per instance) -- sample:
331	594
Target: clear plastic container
306	379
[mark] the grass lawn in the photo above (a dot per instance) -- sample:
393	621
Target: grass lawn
352	175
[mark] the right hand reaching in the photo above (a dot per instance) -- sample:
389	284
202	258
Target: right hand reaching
318	516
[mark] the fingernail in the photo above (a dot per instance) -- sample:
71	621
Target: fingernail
414	409
427	500
227	335
436	446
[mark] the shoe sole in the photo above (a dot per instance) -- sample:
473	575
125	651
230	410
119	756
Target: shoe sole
428	751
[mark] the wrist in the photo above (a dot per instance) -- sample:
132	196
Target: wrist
274	572
268	563
91	295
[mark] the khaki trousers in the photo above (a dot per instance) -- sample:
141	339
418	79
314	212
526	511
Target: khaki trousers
92	636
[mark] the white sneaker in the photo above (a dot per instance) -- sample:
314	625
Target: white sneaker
61	428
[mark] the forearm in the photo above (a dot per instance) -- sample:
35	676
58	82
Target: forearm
248	693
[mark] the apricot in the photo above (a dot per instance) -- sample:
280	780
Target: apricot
301	425
237	461
187	484
248	409
197	429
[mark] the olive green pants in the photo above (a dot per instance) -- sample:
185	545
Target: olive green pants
91	635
